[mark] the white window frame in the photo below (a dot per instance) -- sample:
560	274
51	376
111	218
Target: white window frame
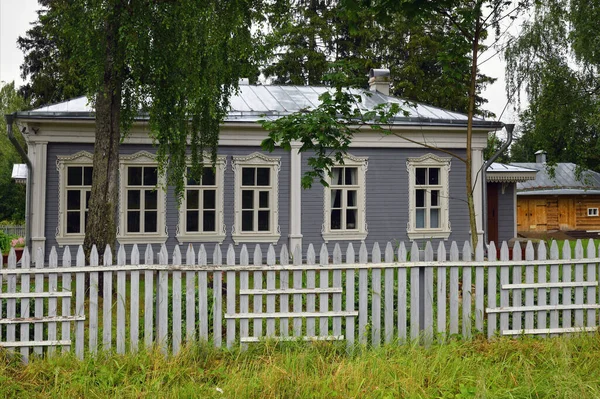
220	231
429	161
361	232
256	160
141	159
592	212
80	159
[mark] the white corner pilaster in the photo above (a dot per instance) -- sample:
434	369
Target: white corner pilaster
295	229
477	176
38	153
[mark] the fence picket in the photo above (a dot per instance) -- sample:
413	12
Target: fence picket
554	292
504	294
441	293
310	260
121	301
107	302
517	299
454	256
80	304
566	277
388	318
176	298
93	325
284	283
402	322
25	286
134	295
542	293
258	285
324	298
231	296
38	328
337	298
415	285
579	289
492	289
428	299
217	298
350	281
52	302
363	287
310	297
203	320
376	297
270	287
466	292
11	303
244	303
529	279
190	296
66	301
591	277
148	298
162	302
479	288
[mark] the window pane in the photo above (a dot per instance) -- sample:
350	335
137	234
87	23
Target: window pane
150	222
150	176
435	197
420	219
208	177
190	180
351	216
434	176
150	199
336	176
192	199
134	176
87	176
73	222
133	199
191	221
247	220
133	222
352	198
263	176
209	199
247	199
263	199
434	218
87	199
74	176
336	219
73	199
420	198
248	176
263	220
209	221
336	198
351	176
420	176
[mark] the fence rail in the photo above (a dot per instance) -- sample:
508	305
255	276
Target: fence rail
394	295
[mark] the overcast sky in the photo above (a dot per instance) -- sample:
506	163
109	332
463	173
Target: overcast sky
17	15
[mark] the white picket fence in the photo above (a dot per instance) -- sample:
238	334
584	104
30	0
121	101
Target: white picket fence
382	299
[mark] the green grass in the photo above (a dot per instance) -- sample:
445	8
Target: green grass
505	368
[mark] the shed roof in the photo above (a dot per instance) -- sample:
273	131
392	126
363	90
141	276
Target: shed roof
503	173
564	181
254	102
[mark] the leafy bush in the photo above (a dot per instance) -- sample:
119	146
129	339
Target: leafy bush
4	242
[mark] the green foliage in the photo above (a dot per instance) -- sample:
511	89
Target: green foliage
4	243
494	143
12	195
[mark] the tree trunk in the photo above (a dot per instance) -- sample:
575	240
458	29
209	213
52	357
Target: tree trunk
101	226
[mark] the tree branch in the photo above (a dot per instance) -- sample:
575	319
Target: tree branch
431	147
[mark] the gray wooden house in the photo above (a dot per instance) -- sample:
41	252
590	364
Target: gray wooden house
389	188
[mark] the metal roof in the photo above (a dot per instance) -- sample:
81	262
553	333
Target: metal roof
503	173
254	102
564	179
19	171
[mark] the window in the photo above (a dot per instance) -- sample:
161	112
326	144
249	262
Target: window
428	197
201	212
75	184
256	199
142	212
592	211
344	216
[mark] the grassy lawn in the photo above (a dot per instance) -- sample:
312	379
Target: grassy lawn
505	368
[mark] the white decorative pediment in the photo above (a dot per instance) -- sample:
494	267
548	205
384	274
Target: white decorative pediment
138	157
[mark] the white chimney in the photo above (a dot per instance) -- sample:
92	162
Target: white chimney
540	156
379	81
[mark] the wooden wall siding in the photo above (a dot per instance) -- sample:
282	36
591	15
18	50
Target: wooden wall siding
392	295
558	212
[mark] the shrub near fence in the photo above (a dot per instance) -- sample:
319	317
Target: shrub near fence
236	300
